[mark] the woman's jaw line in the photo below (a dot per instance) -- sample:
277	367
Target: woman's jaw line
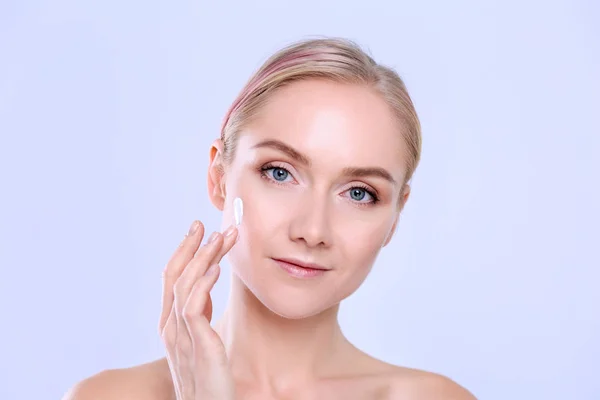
256	337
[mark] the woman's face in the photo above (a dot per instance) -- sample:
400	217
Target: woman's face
320	172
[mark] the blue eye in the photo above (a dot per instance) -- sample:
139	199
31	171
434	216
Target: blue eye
279	174
273	173
358	193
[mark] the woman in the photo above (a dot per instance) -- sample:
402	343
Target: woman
320	147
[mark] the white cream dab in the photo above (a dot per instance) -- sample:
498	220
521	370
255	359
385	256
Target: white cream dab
238	210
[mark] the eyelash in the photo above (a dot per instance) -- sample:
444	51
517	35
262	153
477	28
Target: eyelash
263	172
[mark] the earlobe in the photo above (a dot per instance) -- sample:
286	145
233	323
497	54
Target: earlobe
215	181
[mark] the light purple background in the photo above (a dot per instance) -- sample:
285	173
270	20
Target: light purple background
107	110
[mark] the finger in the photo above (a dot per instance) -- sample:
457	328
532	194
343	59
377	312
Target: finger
179	259
205	340
169	331
204	259
195	269
178	344
230	236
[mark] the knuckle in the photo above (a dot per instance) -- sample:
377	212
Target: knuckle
169	336
166	271
161	328
171	272
214	343
178	286
167	274
177	304
200	296
188	312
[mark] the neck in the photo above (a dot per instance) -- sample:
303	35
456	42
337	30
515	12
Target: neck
274	352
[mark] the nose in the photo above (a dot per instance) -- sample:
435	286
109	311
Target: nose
312	222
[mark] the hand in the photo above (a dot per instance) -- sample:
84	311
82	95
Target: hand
195	352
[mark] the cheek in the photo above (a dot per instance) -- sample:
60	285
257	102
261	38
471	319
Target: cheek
363	250
266	212
363	235
358	254
360	244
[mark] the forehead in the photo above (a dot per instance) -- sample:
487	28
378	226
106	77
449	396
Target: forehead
333	123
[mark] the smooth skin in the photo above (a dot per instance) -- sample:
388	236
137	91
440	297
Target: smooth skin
279	337
195	352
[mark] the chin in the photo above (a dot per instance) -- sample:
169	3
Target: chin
291	306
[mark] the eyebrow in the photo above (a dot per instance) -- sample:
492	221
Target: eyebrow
358	172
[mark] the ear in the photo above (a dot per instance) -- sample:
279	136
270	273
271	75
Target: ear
401	202
216	174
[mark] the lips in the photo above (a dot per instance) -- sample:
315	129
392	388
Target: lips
299	269
302	264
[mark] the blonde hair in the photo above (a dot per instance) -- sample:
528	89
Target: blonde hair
334	59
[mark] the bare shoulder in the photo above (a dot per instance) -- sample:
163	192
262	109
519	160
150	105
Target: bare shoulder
149	381
395	382
408	383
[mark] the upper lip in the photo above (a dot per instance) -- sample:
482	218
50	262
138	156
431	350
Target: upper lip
302	263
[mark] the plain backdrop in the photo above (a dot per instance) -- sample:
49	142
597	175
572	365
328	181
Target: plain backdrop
107	110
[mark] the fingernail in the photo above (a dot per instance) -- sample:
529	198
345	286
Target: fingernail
229	231
213	237
211	270
193	228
